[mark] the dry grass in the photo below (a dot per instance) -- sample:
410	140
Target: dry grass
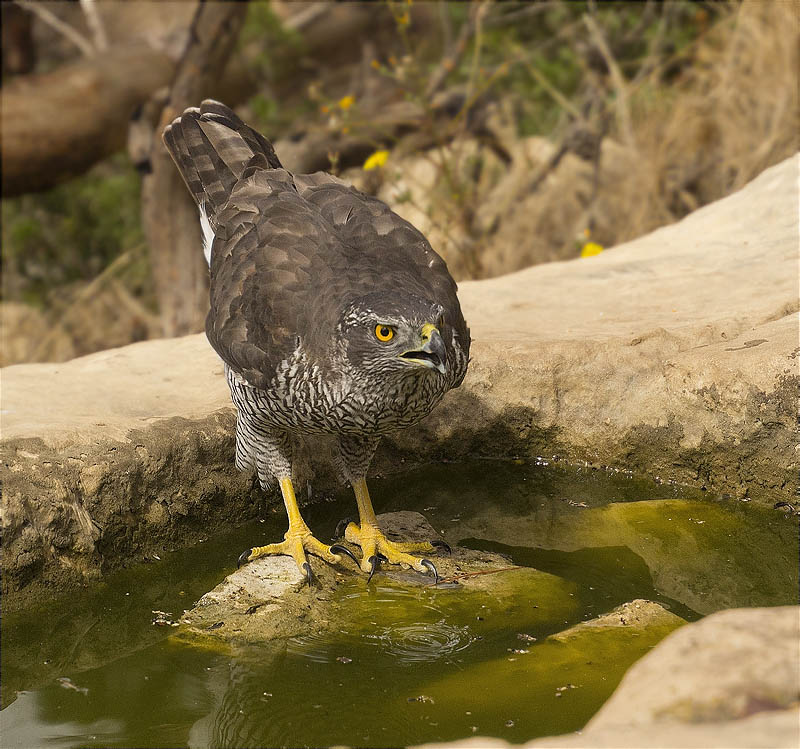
692	128
735	113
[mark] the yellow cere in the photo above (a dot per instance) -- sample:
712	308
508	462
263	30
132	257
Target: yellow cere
427	330
384	333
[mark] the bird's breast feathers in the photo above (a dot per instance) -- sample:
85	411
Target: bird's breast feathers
308	397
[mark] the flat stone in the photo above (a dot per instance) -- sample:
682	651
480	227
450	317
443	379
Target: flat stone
674	354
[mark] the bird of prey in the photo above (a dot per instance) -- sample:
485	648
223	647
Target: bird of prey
330	312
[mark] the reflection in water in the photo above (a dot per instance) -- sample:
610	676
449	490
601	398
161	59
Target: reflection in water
296	700
361	686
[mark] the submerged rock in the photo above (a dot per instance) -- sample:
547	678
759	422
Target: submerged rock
729	681
555	673
267	599
698	553
639	614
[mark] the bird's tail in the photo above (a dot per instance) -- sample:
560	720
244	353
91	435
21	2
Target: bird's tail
212	148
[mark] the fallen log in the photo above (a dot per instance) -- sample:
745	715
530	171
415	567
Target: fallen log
55	125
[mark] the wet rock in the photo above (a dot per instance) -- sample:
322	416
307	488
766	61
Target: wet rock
727	666
639	614
267	599
674	354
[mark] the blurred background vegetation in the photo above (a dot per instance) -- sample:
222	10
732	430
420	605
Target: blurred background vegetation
510	133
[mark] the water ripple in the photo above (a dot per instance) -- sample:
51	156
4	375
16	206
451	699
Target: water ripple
405	624
415	643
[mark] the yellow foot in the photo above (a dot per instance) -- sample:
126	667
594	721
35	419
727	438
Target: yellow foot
376	548
296	542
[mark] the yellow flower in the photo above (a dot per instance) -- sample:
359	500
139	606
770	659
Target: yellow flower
346	102
404	19
591	248
376	159
375	64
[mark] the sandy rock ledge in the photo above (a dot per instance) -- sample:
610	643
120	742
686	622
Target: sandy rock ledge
675	354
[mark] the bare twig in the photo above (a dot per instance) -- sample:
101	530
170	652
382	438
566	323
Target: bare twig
78	39
446	24
617	78
515	16
553	91
95	23
455	52
77	303
654	48
479	11
645	19
305	17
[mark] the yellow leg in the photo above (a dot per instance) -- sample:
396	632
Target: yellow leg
372	540
297	540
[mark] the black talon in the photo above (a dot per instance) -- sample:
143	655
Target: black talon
310	579
432	567
243	557
339	549
375	561
787	505
438	543
340	527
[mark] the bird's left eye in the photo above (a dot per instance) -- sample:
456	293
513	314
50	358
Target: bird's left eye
384	333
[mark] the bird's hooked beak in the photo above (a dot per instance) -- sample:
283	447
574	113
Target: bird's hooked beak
431	352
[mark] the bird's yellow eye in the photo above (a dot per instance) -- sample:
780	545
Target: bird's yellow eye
384	333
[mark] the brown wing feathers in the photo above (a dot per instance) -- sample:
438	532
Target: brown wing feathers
212	148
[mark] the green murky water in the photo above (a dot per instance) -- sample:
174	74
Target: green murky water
412	665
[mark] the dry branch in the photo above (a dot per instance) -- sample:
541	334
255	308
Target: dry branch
67	31
56	125
617	78
169	215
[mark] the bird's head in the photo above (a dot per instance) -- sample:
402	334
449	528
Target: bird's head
385	334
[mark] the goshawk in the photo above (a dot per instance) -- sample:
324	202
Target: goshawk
330	312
